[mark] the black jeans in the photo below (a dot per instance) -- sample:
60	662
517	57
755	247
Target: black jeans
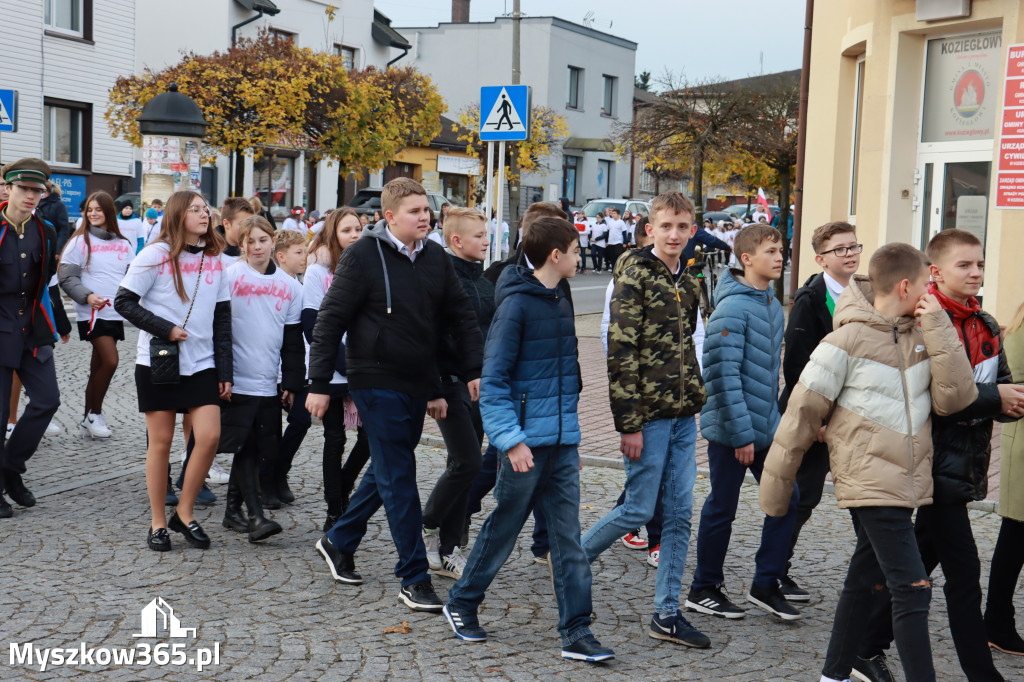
597	256
810	480
463	433
886	555
340	480
299	422
1007	561
612	254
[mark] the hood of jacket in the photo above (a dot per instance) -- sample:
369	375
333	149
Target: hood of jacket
519	279
857	305
732	283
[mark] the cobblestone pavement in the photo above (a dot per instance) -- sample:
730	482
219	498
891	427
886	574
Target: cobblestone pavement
77	570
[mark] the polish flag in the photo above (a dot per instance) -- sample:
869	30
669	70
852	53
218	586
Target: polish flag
762	201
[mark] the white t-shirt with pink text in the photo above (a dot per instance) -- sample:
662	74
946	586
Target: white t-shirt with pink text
108	261
261	306
315	284
151	276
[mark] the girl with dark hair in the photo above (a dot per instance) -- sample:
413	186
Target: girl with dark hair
94	261
176	293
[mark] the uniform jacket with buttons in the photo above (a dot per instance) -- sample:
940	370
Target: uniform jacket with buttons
41	321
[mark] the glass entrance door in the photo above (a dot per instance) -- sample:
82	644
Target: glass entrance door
953	192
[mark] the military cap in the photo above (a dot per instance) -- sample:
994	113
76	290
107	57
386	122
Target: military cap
32	172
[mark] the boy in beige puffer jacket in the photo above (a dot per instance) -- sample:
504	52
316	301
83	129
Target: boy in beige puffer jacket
893	358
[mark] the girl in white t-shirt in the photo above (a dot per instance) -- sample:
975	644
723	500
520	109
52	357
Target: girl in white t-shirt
266	307
342	229
92	265
175	290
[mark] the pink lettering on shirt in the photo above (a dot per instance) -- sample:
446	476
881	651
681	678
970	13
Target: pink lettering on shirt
261	289
118	246
191	267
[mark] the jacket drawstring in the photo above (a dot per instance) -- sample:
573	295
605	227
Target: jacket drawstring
387	280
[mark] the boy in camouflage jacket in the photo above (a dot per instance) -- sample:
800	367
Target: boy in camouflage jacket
656	389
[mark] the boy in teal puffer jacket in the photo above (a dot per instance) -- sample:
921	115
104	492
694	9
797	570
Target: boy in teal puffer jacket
742	361
529	393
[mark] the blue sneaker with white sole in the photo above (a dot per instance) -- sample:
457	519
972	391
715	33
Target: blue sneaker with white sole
587	648
465	625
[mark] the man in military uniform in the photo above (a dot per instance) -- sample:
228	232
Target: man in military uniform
27	327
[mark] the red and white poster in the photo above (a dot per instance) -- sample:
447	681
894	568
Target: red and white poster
1010	169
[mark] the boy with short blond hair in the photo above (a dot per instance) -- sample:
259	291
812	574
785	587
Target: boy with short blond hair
742	358
837	253
893	359
528	403
395	294
655	387
290	251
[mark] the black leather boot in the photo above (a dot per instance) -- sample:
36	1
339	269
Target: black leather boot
268	490
260	527
335	509
234	519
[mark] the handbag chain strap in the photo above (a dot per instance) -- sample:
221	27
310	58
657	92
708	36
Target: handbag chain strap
199	278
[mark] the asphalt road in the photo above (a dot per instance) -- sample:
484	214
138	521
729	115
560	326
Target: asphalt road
588	291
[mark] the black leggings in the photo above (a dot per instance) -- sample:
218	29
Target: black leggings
339	480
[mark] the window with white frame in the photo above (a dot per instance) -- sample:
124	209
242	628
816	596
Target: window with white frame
608	103
64	130
575	88
347	54
65	16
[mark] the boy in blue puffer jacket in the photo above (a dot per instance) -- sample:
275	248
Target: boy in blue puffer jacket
529	392
742	361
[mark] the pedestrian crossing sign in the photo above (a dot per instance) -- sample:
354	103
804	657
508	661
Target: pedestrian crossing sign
504	113
8	111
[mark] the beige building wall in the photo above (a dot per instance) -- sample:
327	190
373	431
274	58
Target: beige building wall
890	189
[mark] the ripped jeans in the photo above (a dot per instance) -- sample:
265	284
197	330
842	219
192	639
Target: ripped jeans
886	553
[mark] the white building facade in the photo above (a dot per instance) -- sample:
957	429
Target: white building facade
62	57
282	177
582	74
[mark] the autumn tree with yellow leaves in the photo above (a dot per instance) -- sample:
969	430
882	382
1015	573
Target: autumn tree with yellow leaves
267	92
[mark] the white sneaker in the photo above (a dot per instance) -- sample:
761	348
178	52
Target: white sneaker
652	556
52	429
95	426
453	565
217	474
432	541
10	429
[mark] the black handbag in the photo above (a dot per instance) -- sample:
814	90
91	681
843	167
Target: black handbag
163	354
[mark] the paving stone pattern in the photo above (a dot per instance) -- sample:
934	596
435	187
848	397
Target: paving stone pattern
77	570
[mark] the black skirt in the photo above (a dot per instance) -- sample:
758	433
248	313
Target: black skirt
194	390
114	328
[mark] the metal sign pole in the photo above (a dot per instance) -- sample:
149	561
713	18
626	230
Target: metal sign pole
499	200
487	197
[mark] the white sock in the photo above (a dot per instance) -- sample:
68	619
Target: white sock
829	679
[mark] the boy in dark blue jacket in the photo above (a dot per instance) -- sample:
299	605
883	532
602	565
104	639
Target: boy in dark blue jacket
528	398
742	361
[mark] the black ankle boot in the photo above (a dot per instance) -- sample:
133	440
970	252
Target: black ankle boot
259	526
1002	635
268	491
284	493
234	519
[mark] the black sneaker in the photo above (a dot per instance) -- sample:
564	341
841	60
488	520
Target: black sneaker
421	597
342	566
465	625
6	510
678	630
874	669
791	591
587	648
16	490
712	601
771	600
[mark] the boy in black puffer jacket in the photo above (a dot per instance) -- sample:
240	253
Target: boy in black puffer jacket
962	448
395	294
444	514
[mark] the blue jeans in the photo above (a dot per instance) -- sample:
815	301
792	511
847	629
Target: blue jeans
667	463
553	484
719	512
484	484
393	422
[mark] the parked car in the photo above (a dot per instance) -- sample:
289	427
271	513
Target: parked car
134	197
634	206
367	200
715	216
740	210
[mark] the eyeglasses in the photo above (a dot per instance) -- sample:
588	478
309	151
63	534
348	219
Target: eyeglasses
38	191
199	210
844	251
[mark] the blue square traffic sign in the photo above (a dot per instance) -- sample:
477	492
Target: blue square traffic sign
504	113
8	111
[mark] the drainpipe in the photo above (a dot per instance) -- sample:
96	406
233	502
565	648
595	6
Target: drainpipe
405	51
234	29
801	151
